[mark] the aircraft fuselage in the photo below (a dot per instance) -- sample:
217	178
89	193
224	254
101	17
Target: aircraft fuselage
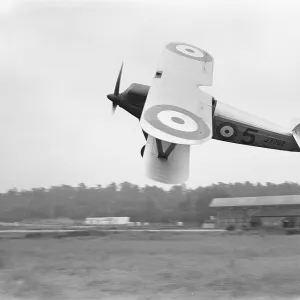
229	124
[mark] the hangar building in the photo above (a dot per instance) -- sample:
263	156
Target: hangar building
266	211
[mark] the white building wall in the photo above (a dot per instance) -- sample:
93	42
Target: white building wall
107	221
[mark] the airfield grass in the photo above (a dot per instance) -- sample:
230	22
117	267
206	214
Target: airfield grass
151	266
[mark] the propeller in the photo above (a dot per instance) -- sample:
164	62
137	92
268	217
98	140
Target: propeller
115	97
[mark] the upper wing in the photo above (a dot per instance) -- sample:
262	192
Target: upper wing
176	110
235	126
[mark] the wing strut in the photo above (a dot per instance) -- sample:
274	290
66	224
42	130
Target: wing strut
161	153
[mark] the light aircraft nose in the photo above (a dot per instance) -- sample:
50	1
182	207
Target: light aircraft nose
112	97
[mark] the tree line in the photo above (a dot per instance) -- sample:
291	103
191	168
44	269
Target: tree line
141	204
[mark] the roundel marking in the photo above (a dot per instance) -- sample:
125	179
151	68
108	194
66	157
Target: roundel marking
226	131
190	51
175	121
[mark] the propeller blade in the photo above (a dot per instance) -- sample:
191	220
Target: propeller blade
117	87
115	97
114	107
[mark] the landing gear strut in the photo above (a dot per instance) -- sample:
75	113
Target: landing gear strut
143	150
161	153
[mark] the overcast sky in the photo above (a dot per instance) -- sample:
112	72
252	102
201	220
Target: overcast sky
59	59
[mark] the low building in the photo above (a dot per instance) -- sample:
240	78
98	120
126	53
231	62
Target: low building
267	211
208	225
107	221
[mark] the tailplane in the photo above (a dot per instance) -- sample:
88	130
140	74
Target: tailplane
296	134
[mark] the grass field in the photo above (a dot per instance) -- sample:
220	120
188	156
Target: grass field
151	266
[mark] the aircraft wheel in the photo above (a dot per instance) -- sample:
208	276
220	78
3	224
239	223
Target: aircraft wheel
142	150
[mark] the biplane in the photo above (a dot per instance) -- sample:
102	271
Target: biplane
175	114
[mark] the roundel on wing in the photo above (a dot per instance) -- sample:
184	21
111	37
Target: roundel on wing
226	131
175	121
190	51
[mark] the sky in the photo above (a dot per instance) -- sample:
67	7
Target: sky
59	59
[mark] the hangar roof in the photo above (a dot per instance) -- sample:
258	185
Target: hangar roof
256	201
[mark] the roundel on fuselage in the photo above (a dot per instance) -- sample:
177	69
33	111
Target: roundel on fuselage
226	131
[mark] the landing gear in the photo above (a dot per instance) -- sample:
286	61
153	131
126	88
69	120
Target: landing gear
161	153
143	150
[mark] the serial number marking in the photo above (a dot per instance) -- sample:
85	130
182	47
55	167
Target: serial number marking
275	142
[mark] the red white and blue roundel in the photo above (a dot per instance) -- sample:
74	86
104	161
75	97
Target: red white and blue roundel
175	121
226	131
